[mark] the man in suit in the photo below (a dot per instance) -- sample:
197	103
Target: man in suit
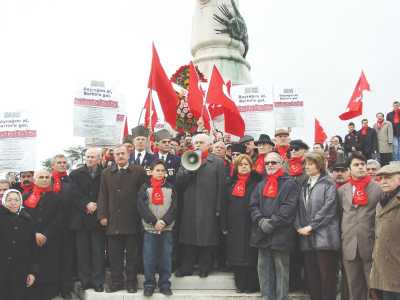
358	200
140	156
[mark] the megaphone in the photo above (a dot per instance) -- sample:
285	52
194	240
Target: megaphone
191	160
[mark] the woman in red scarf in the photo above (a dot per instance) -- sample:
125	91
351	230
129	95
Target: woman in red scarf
241	256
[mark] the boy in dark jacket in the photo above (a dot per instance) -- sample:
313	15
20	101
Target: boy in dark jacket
157	208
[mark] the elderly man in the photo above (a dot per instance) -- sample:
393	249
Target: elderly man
140	156
203	193
373	167
273	208
384	132
117	212
358	200
90	238
386	256
172	162
340	174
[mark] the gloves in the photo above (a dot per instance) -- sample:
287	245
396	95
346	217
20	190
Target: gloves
266	225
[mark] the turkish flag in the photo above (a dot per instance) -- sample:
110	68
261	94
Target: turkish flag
218	95
354	108
150	116
195	96
319	133
126	129
159	82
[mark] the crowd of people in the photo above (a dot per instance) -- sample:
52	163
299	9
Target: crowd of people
277	213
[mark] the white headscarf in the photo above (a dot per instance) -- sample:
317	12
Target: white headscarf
5	195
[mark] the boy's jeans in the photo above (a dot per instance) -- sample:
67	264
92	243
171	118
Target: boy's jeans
157	256
273	273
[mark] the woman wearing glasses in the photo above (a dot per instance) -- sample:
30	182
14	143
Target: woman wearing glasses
318	226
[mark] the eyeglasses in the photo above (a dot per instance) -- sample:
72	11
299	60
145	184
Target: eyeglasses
43	177
271	162
372	169
294	149
235	154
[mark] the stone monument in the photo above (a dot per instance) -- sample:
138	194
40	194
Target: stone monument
219	36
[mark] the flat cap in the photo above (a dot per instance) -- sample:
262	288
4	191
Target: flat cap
281	131
390	169
245	139
339	166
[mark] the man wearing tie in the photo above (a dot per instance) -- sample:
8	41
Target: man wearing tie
163	140
140	156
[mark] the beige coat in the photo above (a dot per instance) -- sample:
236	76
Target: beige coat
385	273
358	223
385	137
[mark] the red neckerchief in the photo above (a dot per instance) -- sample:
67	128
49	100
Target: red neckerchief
34	198
259	165
379	124
364	130
157	197
204	155
239	190
338	185
282	150
271	186
396	116
26	188
57	180
360	195
296	166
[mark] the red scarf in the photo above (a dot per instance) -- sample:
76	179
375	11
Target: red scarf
271	186
364	130
282	150
296	166
34	198
26	188
231	168
338	185
239	190
379	124
259	165
204	155
396	117
157	197
57	180
360	195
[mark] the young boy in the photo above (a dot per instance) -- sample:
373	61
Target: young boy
157	207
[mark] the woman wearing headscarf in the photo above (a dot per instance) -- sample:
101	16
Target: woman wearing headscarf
241	256
17	248
44	207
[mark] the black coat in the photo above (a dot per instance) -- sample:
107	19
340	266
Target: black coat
173	162
396	127
17	251
86	189
368	142
350	141
239	252
67	201
282	210
47	218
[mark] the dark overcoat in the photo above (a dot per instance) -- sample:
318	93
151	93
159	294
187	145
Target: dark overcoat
203	197
117	199
239	252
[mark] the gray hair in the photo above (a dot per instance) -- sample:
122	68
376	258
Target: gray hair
57	156
374	162
96	151
202	136
279	158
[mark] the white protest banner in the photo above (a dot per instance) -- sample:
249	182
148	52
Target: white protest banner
17	142
95	110
117	137
288	108
255	105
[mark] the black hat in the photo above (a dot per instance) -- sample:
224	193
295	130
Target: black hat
264	139
298	144
237	147
339	166
162	135
140	131
246	138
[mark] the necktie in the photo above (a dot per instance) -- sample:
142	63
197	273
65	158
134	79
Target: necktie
137	161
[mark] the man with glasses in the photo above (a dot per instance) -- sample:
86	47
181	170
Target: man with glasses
358	200
273	207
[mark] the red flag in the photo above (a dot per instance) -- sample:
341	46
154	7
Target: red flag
126	129
218	95
319	133
160	82
150	113
354	108
195	96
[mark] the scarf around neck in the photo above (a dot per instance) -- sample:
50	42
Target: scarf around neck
239	190
26	188
57	180
396	116
34	198
282	150
360	196
364	130
259	166
296	166
157	197
271	185
379	124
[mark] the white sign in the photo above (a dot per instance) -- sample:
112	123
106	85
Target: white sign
288	108
95	112
17	142
116	139
255	105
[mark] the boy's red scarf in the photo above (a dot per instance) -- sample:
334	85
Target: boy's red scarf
57	180
34	198
296	166
259	165
239	190
360	196
157	197
271	186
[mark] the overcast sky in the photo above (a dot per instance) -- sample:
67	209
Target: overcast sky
50	47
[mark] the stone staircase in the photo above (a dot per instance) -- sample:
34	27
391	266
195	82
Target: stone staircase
215	286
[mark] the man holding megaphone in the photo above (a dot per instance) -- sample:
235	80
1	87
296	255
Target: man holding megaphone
201	177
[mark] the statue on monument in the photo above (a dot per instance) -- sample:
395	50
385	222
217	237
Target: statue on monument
219	37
